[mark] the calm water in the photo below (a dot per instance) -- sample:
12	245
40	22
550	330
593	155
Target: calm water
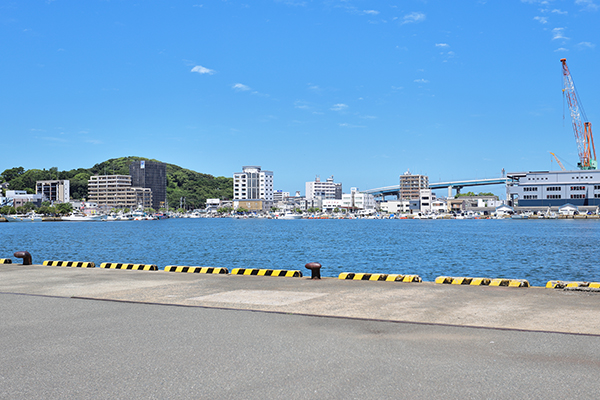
537	250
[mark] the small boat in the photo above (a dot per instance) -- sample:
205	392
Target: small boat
519	216
290	215
83	217
23	218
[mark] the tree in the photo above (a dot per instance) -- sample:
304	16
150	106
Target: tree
64	208
241	210
8	210
12	173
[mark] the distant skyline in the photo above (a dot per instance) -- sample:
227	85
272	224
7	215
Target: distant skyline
360	90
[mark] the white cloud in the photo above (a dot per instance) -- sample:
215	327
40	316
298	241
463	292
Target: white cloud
542	20
339	107
421	81
561	49
560	12
201	70
240	87
587	4
557	33
371	12
586	45
413	17
346	125
442	45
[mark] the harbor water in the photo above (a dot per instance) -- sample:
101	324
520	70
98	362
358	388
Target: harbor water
536	250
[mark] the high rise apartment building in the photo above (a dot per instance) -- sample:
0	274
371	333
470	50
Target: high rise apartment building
327	190
152	175
411	185
253	184
115	191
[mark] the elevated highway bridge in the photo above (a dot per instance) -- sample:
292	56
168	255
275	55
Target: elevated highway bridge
457	185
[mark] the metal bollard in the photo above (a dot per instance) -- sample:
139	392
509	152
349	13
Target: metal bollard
315	269
25	256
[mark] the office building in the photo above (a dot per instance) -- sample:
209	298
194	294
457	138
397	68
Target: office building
151	175
253	184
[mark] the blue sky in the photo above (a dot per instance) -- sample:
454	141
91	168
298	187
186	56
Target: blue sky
361	90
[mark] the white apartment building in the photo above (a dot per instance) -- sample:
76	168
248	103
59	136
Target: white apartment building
253	184
54	190
357	200
395	206
325	190
280	195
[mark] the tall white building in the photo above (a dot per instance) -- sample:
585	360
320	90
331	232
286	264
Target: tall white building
253	184
327	190
357	200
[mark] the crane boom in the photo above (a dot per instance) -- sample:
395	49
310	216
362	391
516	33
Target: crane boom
558	161
583	131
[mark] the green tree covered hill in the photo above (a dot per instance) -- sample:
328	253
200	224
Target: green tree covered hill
194	186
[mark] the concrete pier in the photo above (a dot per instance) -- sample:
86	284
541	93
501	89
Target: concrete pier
91	332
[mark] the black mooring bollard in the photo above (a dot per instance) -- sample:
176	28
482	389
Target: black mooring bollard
315	269
25	256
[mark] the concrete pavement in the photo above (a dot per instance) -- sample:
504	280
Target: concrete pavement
535	309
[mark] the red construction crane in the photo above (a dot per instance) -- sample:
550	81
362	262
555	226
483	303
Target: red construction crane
583	132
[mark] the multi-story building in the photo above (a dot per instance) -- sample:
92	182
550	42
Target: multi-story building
115	191
327	190
554	189
20	197
411	186
54	190
152	175
253	184
280	195
357	200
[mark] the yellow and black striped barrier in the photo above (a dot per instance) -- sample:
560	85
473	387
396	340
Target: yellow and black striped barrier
267	272
77	264
141	267
572	284
379	277
196	270
463	280
5	261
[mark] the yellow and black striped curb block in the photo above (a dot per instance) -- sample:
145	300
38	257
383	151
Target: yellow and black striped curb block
379	277
5	261
77	264
267	272
142	267
509	282
572	284
197	270
463	280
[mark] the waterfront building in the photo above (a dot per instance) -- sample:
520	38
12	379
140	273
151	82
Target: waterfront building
474	203
395	206
411	185
20	197
325	190
115	191
54	190
332	204
253	184
151	175
279	195
357	200
554	189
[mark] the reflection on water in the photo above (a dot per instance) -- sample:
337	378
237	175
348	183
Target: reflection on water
537	250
